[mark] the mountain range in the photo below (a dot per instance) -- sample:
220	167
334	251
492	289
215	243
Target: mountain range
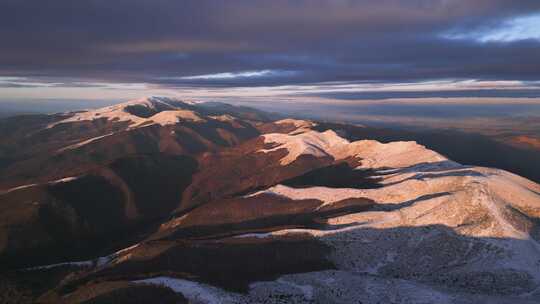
183	202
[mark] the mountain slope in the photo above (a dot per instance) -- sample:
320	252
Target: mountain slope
86	140
294	215
457	233
122	167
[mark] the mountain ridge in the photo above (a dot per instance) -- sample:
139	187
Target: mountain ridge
271	210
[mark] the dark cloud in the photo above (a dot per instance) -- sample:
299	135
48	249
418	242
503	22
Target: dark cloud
379	95
304	42
17	85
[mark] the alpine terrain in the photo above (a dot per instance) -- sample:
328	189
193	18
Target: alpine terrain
158	200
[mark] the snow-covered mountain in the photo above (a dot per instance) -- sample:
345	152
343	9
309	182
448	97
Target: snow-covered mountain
267	211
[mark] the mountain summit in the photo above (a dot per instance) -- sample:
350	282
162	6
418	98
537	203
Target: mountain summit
211	203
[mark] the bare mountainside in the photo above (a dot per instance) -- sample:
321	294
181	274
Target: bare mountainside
208	203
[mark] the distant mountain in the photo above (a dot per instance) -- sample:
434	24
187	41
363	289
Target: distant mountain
39	148
464	147
217	204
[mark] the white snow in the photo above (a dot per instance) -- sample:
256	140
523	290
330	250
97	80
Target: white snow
307	290
296	122
18	188
223	118
64	180
432	187
193	291
397	154
79	263
255	235
318	144
424	195
84	142
300	125
98	262
125	249
325	194
329	144
117	113
88	263
165	118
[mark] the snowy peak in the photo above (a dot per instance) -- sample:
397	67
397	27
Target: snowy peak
318	144
139	112
392	155
175	116
299	125
304	141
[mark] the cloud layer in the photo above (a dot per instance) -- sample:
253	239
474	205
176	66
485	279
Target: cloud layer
251	43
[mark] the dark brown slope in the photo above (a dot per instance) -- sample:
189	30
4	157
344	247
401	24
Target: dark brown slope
201	245
143	189
77	219
242	169
137	177
119	182
51	153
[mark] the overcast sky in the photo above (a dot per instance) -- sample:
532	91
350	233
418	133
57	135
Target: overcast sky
300	49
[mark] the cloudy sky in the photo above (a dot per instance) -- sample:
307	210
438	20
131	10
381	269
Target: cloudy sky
297	49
